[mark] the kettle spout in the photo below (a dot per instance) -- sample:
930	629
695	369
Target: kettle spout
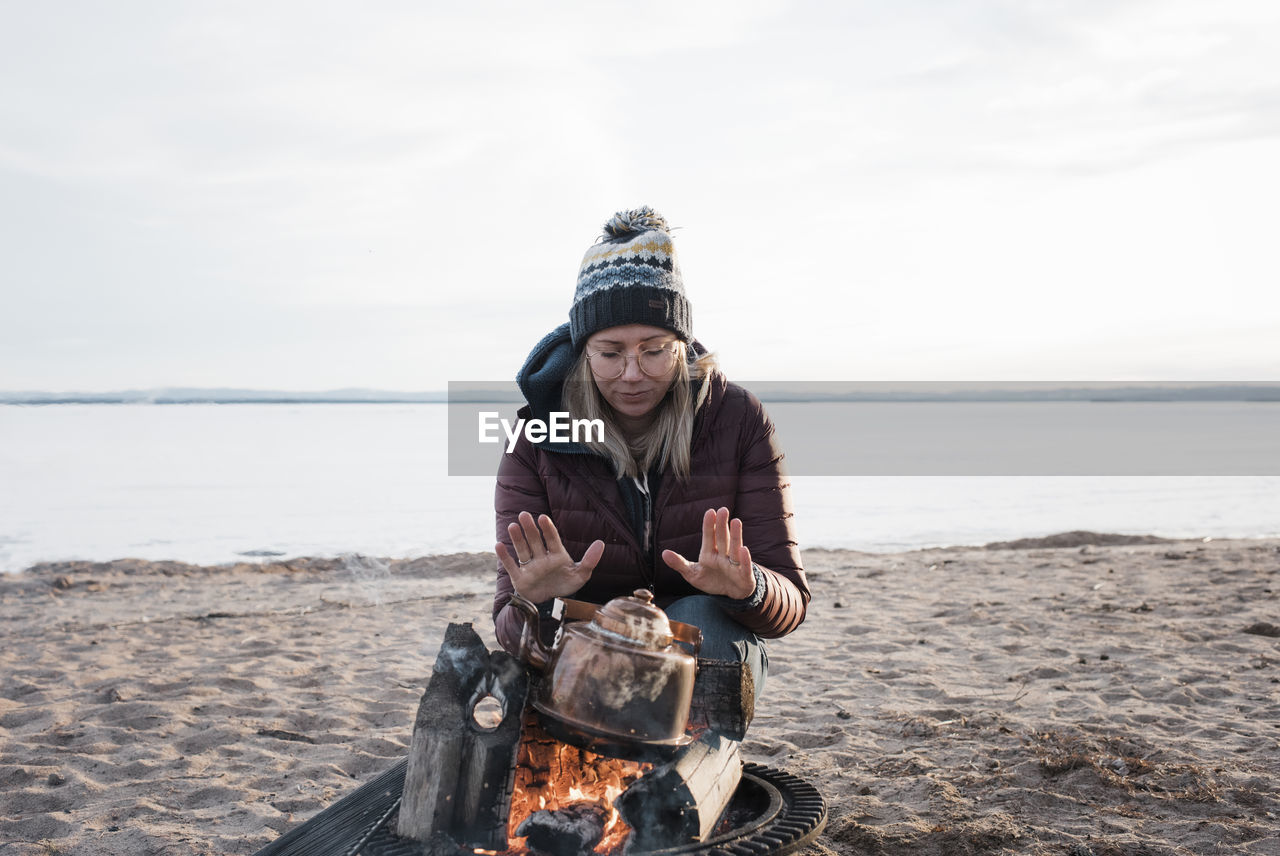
532	651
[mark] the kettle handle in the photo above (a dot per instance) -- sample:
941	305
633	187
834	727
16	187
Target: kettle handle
532	651
580	610
689	634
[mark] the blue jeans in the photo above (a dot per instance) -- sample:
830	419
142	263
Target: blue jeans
722	637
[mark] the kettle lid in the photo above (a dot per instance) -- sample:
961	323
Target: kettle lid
636	619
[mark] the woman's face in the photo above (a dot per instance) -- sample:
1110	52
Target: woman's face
633	394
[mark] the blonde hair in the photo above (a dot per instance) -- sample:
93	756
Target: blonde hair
668	438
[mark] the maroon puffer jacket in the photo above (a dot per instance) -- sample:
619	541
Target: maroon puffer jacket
736	464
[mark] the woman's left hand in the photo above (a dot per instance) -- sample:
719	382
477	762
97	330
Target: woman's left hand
724	563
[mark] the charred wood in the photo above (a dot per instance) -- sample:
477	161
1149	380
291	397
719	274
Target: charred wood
569	831
460	769
723	698
681	802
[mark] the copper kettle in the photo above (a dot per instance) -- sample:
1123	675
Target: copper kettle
622	676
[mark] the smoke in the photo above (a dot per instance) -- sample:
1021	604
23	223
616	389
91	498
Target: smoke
369	574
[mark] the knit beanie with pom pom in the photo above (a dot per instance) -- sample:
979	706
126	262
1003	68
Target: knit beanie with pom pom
630	276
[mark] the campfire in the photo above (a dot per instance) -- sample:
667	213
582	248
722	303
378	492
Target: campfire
486	774
489	773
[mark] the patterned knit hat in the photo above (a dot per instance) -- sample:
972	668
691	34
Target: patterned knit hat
630	276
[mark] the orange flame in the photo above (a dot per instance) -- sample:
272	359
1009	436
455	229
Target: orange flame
552	775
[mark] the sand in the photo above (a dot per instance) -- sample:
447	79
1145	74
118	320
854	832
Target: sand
1080	698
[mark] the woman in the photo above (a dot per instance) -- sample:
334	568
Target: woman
683	495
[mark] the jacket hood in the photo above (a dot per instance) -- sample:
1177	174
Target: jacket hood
541	378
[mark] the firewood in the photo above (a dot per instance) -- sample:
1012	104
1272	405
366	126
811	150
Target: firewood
569	831
723	698
681	801
459	775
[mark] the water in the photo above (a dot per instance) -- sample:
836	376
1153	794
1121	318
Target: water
211	483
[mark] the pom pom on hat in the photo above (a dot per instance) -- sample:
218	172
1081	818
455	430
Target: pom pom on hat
628	223
630	276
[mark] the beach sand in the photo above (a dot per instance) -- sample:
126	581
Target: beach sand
1078	699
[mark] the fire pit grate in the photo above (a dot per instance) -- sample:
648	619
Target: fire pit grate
772	812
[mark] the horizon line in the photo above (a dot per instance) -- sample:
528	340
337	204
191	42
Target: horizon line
778	391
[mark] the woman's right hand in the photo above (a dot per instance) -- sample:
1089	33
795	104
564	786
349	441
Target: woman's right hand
541	568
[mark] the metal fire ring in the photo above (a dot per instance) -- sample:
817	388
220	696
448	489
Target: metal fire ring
772	812
779	813
795	814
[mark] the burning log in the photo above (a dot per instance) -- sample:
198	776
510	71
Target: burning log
462	757
682	801
552	776
569	831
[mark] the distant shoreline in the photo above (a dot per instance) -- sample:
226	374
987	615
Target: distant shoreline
767	391
271	561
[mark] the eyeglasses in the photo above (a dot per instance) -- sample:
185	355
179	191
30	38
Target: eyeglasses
653	361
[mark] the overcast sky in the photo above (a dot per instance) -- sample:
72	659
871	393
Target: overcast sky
306	195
